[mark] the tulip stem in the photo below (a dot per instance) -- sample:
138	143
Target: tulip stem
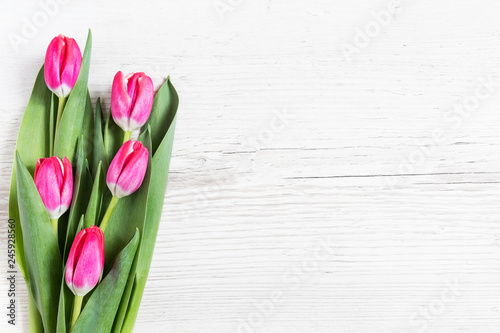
54	225
109	211
77	307
60	108
127	136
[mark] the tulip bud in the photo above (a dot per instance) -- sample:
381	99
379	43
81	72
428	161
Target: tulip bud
54	181
62	65
85	261
127	169
131	100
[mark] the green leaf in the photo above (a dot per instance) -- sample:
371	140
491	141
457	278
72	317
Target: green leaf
52	123
122	310
73	120
88	130
80	225
81	182
94	206
99	151
61	310
41	248
164	109
35	321
32	143
99	313
64	309
167	106
113	138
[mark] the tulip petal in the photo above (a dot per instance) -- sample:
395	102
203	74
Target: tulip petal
73	257
67	186
86	261
134	170
38	164
89	265
62	65
143	103
127	169
131	100
118	163
120	101
53	62
132	88
48	182
71	66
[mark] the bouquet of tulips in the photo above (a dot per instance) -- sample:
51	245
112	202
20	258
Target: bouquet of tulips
87	193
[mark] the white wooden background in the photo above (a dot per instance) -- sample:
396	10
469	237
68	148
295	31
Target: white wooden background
332	172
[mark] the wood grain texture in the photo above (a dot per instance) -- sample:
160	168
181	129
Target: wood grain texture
309	191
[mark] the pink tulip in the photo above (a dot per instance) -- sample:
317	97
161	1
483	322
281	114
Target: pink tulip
127	169
85	261
54	182
62	65
131	100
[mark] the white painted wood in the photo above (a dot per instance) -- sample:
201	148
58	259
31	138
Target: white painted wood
373	208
